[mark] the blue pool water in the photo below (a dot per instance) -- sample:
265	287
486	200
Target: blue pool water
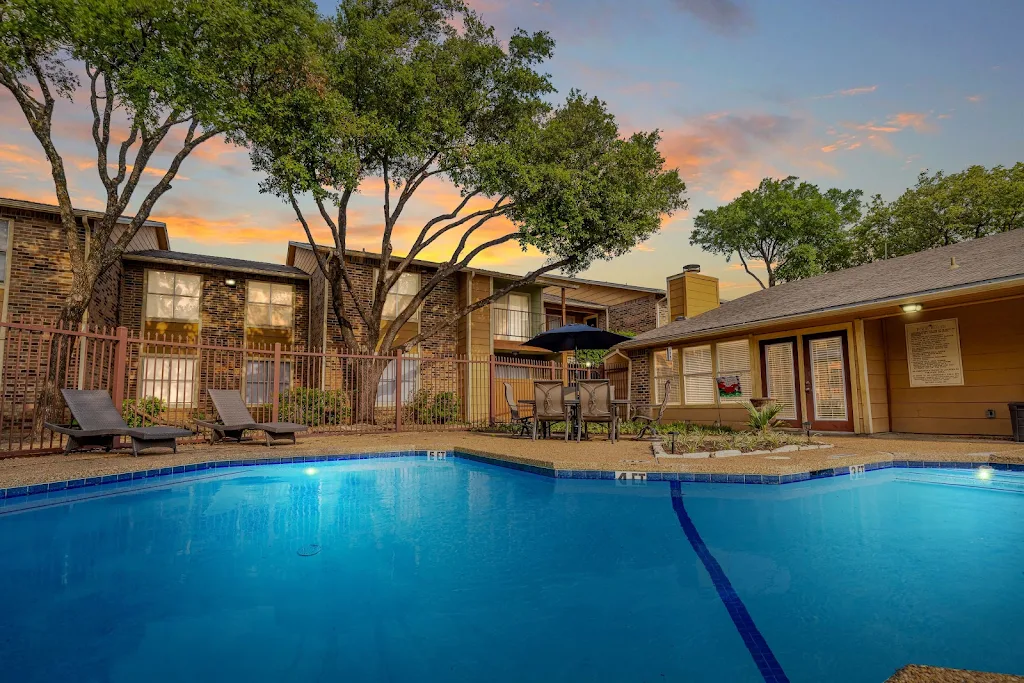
430	571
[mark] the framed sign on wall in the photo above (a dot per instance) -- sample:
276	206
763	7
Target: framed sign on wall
933	354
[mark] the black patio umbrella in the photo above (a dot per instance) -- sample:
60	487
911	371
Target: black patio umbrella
574	337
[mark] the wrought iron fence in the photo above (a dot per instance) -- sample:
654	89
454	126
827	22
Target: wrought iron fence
159	380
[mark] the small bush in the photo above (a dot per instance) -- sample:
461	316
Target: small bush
314	407
140	412
445	407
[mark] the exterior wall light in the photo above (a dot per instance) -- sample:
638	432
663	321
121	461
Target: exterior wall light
230	282
912	308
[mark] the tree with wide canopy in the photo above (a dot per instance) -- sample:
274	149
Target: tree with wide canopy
420	91
161	77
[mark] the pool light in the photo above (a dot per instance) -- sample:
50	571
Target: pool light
311	471
984	473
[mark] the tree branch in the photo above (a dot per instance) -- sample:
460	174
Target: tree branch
494	296
749	272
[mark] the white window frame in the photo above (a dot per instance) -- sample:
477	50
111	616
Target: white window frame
161	385
516	331
402	299
698	375
270	304
673	375
386	397
261	384
174	296
742	370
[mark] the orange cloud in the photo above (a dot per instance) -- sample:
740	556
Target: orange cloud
974	98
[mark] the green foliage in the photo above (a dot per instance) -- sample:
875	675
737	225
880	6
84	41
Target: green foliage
425	90
444	407
763	418
941	210
314	407
156	78
791	230
596	356
141	412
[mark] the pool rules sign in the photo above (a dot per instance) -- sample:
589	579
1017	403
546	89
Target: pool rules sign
933	354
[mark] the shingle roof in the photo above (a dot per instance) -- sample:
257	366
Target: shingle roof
53	208
602	283
223	263
992	259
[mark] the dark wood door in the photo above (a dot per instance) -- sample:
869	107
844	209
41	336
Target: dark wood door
827	382
779	362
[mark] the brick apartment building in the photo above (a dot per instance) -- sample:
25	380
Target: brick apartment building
163	294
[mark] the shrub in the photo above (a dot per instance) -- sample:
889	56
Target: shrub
445	407
314	407
140	412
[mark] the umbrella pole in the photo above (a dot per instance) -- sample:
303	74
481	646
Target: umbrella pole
565	355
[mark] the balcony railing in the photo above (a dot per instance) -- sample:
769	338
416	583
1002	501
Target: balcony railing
515	325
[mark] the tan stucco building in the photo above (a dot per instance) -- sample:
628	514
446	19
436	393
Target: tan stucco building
929	343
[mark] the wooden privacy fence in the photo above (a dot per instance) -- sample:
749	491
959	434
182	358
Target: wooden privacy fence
157	380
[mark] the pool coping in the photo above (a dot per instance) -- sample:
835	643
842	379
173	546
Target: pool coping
509	463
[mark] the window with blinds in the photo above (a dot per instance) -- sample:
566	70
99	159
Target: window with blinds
698	379
781	377
666	371
828	378
734	371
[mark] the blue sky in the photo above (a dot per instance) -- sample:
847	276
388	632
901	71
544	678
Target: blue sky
842	94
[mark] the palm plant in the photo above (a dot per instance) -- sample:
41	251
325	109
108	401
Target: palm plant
762	418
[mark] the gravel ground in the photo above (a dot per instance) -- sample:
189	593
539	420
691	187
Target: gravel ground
928	674
597	453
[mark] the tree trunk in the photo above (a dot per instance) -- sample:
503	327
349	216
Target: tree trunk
368	374
63	351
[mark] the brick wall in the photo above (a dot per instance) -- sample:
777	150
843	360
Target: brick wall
222	307
440	303
40	268
637	315
640	378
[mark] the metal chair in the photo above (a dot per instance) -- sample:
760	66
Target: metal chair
652	422
521	422
550	405
595	397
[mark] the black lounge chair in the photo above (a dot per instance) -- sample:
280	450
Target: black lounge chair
99	424
235	420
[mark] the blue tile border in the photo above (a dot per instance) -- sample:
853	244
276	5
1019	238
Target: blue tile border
758	647
604	475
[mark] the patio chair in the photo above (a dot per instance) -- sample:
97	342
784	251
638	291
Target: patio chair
99	423
235	419
550	405
520	422
596	406
651	422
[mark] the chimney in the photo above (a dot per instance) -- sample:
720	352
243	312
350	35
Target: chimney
691	293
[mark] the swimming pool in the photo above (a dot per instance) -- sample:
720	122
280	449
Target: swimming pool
407	569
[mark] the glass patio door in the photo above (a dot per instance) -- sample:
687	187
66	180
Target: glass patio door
827	381
778	365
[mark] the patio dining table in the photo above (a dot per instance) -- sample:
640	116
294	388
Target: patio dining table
574	403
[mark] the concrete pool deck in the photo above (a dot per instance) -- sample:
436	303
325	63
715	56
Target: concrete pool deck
596	454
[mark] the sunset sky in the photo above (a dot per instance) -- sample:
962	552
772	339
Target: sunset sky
844	94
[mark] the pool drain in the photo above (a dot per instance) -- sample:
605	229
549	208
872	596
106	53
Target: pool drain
308	550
